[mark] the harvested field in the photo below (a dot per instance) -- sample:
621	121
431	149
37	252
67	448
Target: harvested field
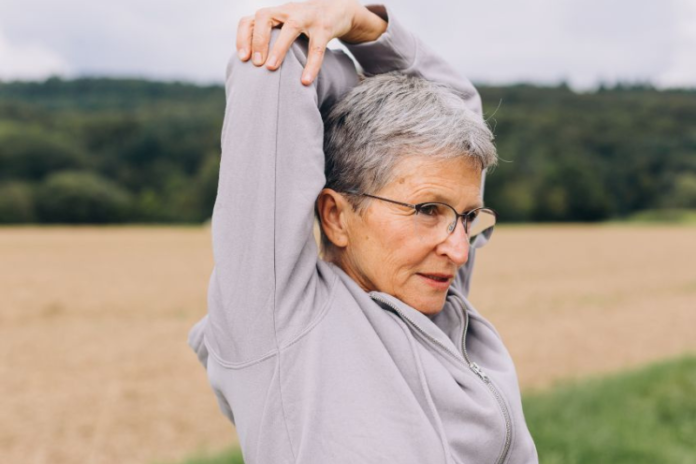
93	322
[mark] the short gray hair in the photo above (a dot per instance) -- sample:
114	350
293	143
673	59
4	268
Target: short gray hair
392	116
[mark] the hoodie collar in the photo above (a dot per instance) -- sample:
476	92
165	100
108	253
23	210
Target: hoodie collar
446	326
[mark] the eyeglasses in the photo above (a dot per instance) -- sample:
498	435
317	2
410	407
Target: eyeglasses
434	221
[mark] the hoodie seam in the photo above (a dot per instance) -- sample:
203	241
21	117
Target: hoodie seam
275	251
243	364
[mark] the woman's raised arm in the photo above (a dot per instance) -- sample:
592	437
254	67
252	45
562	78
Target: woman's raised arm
265	289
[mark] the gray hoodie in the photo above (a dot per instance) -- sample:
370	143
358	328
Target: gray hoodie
309	367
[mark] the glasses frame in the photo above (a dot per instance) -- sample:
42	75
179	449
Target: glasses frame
419	206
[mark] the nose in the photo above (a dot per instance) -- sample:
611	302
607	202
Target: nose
456	245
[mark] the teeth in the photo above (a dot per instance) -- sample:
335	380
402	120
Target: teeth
439	279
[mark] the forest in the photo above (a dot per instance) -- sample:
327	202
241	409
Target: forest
99	150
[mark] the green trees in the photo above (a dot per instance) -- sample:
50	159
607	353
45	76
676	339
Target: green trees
77	197
30	153
591	156
104	150
16	203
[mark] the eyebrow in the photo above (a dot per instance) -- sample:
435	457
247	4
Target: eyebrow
440	199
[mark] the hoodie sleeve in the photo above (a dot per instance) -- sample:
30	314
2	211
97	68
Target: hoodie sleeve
397	49
265	288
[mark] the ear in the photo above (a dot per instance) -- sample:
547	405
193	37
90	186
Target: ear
333	209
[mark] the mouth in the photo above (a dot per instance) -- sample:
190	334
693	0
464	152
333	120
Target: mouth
438	281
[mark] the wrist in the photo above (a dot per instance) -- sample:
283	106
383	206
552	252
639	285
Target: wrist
369	24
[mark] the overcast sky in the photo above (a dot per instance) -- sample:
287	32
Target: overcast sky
494	41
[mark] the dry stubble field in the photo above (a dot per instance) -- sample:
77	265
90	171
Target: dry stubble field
93	323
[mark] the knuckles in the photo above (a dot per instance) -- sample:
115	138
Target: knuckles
294	23
304	18
246	21
262	13
317	50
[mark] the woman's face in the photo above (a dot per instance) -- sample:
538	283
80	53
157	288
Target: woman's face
386	254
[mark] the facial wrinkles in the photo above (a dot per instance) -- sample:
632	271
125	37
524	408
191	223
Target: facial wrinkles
436	183
368	243
404	256
397	220
453	182
384	254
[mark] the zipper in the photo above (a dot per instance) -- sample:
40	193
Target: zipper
472	366
478	371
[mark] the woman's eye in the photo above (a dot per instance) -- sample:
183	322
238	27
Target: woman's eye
429	210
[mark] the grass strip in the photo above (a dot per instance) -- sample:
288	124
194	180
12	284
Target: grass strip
645	416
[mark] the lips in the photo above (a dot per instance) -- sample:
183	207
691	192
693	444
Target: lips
437	280
437	276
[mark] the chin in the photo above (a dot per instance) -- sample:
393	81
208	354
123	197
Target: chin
431	311
430	307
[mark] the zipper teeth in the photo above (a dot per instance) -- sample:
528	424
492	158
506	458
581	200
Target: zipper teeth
508	425
472	366
487	381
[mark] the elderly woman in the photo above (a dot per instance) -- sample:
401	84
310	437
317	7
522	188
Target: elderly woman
372	354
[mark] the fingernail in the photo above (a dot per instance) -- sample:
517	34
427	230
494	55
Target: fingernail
242	53
257	58
307	77
272	61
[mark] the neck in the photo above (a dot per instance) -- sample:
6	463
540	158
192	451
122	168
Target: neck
343	261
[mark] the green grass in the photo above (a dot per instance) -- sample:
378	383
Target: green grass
233	456
662	216
647	416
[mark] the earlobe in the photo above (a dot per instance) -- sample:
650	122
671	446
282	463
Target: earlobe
332	209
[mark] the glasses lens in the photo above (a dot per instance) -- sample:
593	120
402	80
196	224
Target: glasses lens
433	222
481	227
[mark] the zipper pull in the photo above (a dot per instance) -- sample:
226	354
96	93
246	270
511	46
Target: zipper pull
475	367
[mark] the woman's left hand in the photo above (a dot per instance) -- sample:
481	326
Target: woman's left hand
320	20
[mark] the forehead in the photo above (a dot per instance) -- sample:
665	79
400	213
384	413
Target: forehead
456	181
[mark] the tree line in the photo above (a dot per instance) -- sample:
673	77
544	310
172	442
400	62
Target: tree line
118	150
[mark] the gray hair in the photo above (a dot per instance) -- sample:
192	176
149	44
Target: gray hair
392	116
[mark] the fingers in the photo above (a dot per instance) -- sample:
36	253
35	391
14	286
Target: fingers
317	49
254	35
244	34
288	33
264	21
261	34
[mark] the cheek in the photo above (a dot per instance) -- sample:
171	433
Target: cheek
399	251
391	236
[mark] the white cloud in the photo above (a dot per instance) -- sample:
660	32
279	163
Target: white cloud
160	39
549	41
29	61
681	71
499	41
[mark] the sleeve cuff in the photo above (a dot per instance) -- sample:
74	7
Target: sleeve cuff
394	50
